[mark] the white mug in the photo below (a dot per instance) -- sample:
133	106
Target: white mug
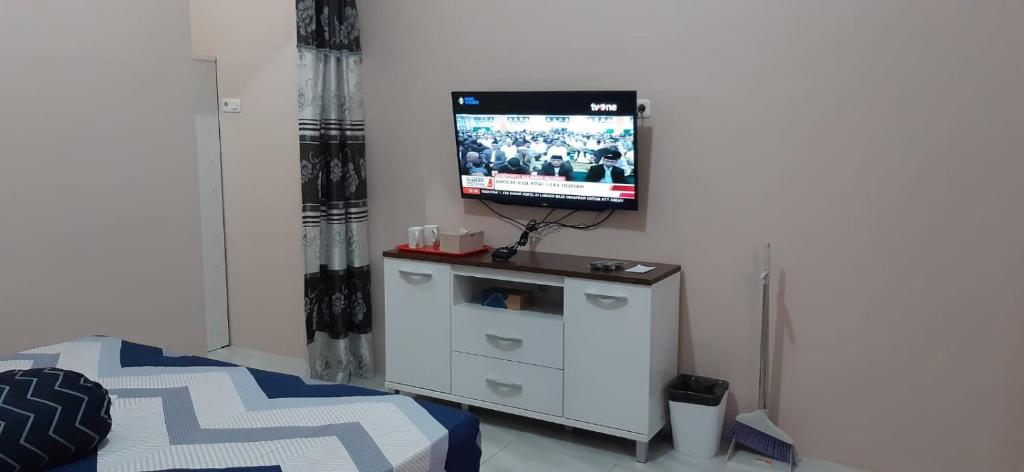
429	235
416	236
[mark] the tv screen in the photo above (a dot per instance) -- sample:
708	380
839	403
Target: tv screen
555	149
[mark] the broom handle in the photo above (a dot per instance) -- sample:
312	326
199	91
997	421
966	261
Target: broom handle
762	380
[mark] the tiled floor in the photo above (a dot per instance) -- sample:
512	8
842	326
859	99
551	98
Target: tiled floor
511	443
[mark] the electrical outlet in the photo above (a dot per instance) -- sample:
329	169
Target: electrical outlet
231	105
645	104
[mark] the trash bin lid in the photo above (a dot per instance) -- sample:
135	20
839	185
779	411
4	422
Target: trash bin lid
697	390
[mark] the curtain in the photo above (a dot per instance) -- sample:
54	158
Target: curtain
332	158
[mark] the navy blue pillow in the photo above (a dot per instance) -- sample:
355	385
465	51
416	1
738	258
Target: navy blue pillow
50	417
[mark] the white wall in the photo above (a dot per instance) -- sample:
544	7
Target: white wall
878	143
254	43
99	202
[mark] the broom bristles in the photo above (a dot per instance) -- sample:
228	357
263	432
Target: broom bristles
761	442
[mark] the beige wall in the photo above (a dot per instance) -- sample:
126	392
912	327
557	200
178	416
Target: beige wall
1012	443
877	143
254	43
99	200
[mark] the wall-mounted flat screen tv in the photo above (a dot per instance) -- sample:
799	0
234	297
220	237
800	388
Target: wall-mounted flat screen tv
554	149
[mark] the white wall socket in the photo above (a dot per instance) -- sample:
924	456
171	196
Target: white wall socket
231	105
647	107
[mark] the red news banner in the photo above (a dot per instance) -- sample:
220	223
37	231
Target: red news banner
546	185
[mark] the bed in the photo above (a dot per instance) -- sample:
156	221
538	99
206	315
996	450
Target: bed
172	411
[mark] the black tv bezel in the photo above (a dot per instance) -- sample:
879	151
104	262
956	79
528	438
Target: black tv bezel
542	103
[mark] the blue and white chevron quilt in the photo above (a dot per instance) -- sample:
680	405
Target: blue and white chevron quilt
183	412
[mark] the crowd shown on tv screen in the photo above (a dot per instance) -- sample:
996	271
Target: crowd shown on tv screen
576	156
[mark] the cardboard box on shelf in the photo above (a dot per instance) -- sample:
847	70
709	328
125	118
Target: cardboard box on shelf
511	299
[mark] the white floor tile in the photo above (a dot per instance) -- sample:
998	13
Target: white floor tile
579	441
512	443
814	465
662	457
495	434
490	446
521	456
261	360
568	449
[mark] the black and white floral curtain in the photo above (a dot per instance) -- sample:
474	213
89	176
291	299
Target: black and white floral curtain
332	154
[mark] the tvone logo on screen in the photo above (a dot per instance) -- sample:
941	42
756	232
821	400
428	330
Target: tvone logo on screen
603	107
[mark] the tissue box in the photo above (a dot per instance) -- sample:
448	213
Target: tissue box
508	298
453	241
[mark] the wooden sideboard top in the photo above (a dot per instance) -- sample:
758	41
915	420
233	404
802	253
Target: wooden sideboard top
565	265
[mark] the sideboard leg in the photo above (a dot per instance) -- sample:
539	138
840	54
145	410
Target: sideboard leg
641	451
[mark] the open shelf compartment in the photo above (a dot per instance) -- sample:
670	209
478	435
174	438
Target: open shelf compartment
467	292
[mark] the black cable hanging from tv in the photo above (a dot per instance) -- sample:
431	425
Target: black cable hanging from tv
532	226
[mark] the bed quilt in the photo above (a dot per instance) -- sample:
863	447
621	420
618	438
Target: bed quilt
174	412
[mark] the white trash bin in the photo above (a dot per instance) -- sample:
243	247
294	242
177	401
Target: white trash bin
696	409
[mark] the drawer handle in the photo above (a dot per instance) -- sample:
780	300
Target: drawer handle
505	384
508	339
412	273
606	297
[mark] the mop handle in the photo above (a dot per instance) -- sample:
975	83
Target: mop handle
762	379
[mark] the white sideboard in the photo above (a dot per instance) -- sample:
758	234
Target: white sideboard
594	350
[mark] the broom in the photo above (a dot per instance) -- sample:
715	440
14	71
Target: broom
755	430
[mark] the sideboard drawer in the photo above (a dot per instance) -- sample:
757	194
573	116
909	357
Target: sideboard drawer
509	383
514	335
